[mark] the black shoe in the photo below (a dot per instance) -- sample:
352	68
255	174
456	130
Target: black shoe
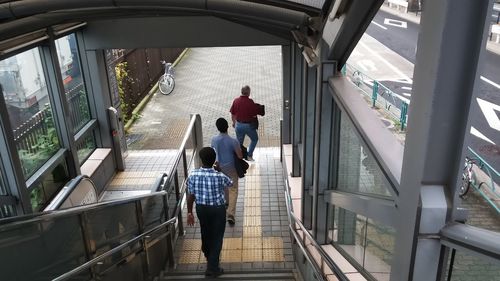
230	220
210	273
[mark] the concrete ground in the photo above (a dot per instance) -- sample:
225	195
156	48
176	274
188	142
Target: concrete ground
207	80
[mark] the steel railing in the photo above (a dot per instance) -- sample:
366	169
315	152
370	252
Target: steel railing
295	224
127	238
379	95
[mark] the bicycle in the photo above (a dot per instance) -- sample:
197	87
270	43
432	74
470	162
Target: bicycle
467	177
167	81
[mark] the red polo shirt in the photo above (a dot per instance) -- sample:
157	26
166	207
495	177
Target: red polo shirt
244	109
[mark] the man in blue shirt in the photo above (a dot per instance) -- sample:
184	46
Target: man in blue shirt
226	148
208	188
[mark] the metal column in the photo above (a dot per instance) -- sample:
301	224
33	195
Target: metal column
453	33
297	70
286	124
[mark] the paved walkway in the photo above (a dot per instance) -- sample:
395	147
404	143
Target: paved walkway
207	80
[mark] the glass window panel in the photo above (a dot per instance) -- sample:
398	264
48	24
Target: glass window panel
26	95
369	243
74	87
85	147
358	169
42	250
312	3
468	267
48	187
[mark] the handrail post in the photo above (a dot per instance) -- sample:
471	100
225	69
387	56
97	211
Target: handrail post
178	198
143	243
374	92
344	70
198	145
402	118
86	242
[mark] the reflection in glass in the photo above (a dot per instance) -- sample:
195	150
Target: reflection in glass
85	147
48	187
368	242
468	267
74	87
27	98
358	169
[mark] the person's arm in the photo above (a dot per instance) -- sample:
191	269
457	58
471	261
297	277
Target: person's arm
237	150
190	216
233	117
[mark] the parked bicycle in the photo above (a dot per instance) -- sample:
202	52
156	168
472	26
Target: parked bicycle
467	177
167	81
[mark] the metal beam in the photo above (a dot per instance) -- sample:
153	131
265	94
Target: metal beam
442	93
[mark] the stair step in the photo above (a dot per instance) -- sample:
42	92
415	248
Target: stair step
232	275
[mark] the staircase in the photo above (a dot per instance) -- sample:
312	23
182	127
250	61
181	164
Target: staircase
277	275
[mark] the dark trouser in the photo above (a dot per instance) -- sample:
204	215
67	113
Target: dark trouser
213	224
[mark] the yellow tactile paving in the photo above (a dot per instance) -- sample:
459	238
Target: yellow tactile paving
251	221
191	245
231	256
252	231
272	255
252	202
252	193
272	243
190	257
252	247
232	244
252	212
252	243
251	255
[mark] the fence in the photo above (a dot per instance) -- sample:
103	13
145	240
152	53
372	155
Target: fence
380	95
27	134
78	107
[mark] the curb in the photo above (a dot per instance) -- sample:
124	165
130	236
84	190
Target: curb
150	94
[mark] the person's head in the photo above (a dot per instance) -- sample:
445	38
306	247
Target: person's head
222	125
207	156
245	91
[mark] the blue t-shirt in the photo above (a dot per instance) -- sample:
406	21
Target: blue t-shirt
225	147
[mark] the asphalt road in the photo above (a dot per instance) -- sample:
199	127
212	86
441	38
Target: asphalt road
401	36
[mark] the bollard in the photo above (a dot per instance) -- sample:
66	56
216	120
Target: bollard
374	92
402	118
344	70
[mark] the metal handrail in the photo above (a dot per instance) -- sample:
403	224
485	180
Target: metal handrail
294	221
99	258
179	154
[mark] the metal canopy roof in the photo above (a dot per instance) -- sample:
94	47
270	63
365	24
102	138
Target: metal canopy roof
302	21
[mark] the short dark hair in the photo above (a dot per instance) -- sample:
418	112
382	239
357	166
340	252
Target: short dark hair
222	125
245	90
207	156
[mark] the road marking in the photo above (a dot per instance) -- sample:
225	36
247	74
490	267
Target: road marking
406	94
478	134
396	23
379	25
490	82
489	113
395	69
406	88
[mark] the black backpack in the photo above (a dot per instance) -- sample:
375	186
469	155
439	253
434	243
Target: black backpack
241	165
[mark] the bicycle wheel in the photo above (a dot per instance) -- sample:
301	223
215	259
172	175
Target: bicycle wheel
166	84
465	186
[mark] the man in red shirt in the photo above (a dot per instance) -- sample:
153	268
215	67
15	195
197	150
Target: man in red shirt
244	114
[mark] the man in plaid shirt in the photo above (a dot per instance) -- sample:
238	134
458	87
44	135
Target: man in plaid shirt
209	188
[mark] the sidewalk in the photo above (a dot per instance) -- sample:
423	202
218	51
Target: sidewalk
490	45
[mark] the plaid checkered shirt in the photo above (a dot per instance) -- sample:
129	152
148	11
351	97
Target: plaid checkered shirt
207	186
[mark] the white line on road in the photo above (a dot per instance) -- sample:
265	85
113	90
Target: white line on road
402	98
392	67
379	25
490	82
397	23
406	88
489	113
478	134
406	94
